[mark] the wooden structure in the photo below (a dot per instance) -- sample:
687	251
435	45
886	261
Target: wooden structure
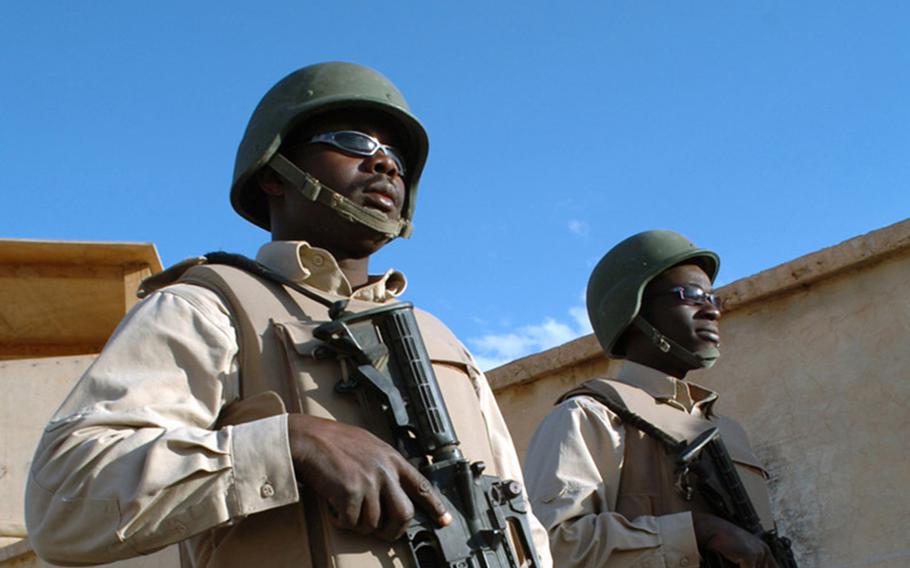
59	303
65	298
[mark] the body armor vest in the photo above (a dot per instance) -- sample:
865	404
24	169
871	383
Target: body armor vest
647	485
279	373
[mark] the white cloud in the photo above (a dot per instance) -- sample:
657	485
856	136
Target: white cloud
579	227
493	350
582	323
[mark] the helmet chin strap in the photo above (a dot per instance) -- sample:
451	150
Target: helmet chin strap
314	190
705	359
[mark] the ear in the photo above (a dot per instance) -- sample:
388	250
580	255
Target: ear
269	182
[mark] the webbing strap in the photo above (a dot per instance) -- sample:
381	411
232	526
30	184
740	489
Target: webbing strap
666	344
314	190
263	271
173	273
609	397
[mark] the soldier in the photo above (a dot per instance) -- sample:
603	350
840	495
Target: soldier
605	488
210	402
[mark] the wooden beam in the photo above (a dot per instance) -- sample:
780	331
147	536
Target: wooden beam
27	251
32	350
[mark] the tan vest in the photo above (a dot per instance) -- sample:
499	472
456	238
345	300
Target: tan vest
647	484
279	373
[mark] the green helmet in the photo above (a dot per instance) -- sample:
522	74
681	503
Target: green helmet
619	279
303	95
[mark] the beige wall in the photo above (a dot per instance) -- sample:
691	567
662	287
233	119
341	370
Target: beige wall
815	366
524	404
821	378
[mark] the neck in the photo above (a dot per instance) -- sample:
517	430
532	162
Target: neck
661	361
356	270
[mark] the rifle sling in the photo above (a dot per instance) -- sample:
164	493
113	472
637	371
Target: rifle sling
607	396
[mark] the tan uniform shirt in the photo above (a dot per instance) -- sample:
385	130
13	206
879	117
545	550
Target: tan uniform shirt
573	469
130	464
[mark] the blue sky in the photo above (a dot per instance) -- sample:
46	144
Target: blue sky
764	130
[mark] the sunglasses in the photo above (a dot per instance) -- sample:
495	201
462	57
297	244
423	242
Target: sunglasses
694	296
359	144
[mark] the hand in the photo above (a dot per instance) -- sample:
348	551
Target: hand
739	546
369	486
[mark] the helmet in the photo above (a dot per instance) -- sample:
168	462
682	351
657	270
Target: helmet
301	96
619	279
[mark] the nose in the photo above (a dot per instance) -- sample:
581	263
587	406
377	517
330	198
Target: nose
709	312
382	163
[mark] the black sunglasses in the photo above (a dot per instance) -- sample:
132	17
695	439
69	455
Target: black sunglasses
360	144
694	296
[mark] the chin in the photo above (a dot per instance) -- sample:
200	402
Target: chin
367	246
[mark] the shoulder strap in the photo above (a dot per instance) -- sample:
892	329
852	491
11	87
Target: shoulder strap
604	393
246	264
167	277
250	291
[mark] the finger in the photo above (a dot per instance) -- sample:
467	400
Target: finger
424	496
347	512
370	513
398	512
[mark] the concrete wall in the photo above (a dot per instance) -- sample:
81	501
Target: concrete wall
821	378
815	367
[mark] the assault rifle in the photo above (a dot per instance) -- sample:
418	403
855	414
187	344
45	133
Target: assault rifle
390	370
722	488
706	459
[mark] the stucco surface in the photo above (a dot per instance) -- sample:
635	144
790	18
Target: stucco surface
525	404
821	380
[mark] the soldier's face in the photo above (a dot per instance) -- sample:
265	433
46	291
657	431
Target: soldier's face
691	323
372	181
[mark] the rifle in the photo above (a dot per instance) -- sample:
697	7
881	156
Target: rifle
391	370
715	477
720	485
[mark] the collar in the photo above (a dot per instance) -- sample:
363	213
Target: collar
317	268
667	388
